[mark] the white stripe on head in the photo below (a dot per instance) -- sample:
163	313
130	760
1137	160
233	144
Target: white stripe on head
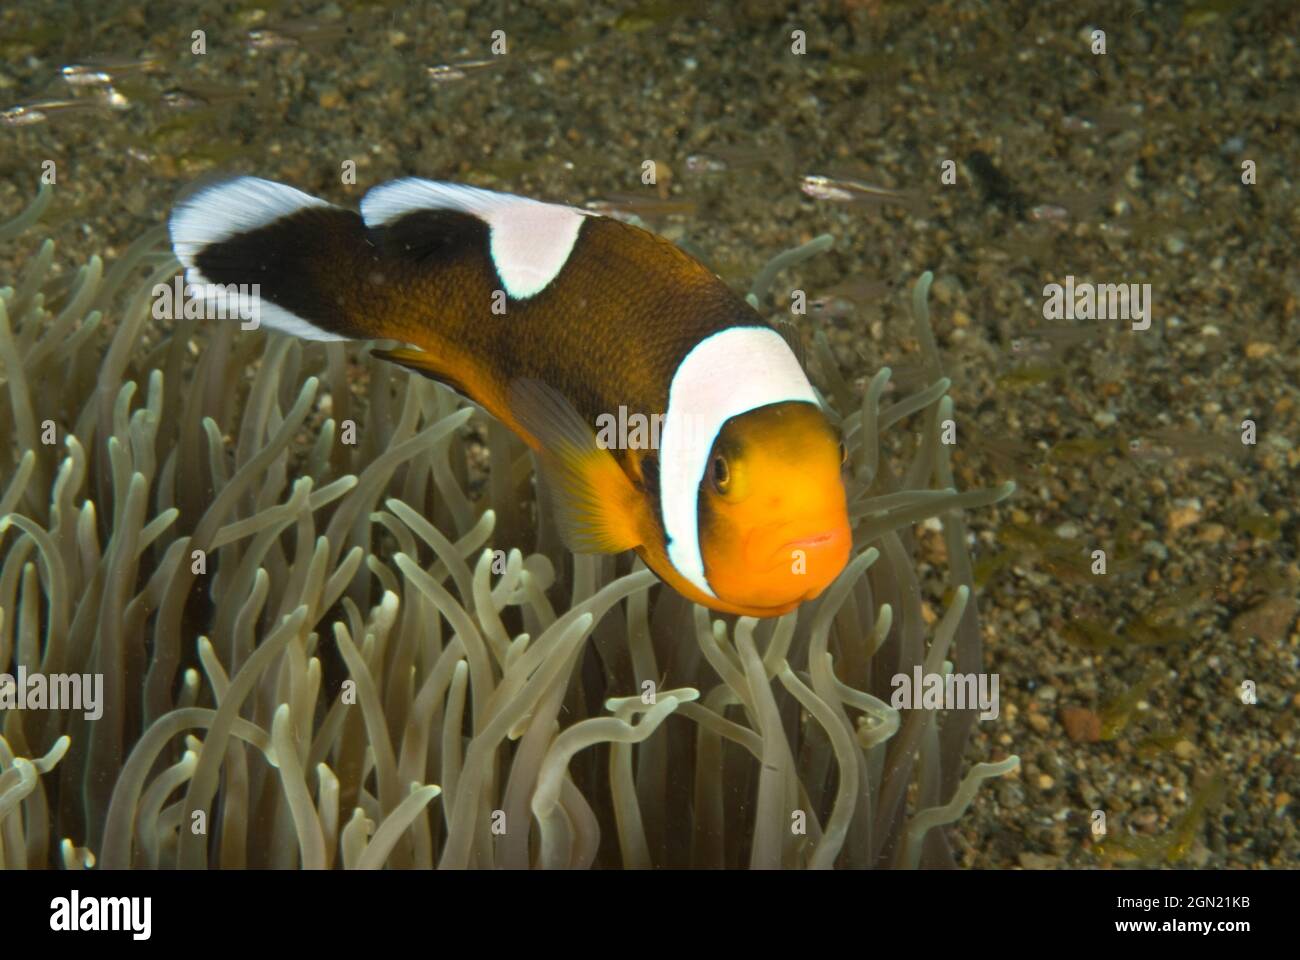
224	210
530	241
729	373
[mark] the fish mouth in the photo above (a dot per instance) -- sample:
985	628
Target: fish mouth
820	542
814	541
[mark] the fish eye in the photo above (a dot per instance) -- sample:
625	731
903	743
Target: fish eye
720	474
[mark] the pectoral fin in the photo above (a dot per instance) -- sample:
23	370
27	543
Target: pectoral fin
594	503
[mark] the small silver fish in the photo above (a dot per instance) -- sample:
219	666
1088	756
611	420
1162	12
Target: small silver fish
721	157
703	163
1054	341
296	33
1029	346
606	208
22	115
1049	212
824	188
448	72
1144	448
832	307
101	71
181	100
1183	444
39	111
631	209
81	75
262	39
196	96
821	187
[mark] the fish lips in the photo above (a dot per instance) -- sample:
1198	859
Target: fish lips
814	558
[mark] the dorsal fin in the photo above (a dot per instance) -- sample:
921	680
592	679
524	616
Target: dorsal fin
790	334
529	241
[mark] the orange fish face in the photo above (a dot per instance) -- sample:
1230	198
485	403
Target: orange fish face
774	526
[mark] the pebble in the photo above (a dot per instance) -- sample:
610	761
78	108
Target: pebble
1183	515
1154	548
1266	621
1081	724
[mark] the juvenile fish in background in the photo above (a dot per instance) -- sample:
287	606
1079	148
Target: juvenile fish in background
446	72
1049	213
831	307
102	71
1102	121
81	75
846	297
296	33
821	187
741	504
632	208
192	96
1055	341
703	163
736	156
39	111
1176	444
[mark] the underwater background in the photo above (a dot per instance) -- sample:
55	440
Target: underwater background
989	143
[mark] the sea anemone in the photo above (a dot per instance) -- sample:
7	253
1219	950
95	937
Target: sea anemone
322	646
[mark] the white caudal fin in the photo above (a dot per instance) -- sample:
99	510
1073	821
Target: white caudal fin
207	226
218	211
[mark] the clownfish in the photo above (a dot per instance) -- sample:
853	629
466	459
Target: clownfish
554	319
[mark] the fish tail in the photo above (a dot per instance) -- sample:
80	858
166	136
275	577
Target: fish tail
291	262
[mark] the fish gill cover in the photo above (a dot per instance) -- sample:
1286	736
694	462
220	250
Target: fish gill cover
319	653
